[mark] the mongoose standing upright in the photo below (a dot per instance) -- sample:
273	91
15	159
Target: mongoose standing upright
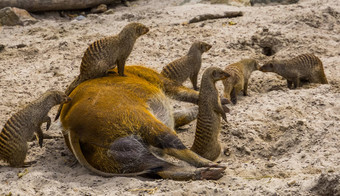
22	125
240	73
105	54
210	111
188	65
305	67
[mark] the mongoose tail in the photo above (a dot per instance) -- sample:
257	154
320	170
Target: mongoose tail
305	67
187	66
21	127
206	143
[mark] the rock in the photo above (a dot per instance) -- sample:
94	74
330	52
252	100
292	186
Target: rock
100	9
110	11
127	16
12	16
231	2
2	47
327	184
284	2
80	17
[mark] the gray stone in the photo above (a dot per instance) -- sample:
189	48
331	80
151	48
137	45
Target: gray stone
100	9
12	16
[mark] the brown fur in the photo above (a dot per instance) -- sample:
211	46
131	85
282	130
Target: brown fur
305	67
111	139
22	125
240	73
105	54
210	111
187	66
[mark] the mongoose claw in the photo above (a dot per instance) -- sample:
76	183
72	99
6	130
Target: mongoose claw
209	173
225	109
48	121
111	72
225	118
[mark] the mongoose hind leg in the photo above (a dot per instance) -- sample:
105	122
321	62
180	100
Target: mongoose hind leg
245	88
297	82
233	96
289	84
17	158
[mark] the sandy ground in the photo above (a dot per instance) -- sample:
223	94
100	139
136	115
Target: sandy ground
278	141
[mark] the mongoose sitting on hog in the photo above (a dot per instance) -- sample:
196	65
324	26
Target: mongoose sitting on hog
188	65
305	67
21	127
240	73
105	54
210	111
113	139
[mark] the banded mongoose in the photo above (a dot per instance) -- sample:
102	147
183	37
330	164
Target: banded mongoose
187	66
21	127
210	111
104	54
239	76
305	67
111	139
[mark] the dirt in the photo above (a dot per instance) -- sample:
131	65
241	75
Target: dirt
277	142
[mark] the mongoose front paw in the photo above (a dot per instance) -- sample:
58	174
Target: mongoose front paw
111	72
225	101
225	109
224	118
234	100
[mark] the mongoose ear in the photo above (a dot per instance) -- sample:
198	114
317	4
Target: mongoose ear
202	47
214	74
256	65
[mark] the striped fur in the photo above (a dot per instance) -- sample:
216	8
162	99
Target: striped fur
210	111
187	66
105	54
305	67
240	73
21	127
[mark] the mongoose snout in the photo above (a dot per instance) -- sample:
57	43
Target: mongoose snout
64	99
205	47
141	29
220	75
267	67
